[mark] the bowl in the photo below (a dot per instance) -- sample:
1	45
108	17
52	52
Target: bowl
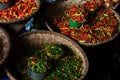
19	11
41	37
4	45
59	9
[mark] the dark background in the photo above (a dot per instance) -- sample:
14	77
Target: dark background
104	60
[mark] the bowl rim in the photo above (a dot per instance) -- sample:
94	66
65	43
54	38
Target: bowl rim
82	43
8	46
84	56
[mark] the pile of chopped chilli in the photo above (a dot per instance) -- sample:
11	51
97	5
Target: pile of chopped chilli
97	26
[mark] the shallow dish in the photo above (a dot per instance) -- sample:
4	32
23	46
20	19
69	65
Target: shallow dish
40	37
58	9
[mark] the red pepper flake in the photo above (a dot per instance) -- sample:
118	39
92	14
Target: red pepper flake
22	8
104	26
4	1
102	38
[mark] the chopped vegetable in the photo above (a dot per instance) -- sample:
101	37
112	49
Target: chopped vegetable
97	26
21	9
68	68
2	1
54	51
38	60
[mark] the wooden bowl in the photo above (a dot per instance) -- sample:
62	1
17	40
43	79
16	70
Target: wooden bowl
15	20
58	9
44	36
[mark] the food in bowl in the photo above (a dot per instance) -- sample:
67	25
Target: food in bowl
2	1
98	23
68	68
51	57
38	61
20	9
54	51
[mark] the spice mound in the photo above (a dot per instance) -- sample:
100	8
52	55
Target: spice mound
89	23
20	9
54	61
2	1
68	68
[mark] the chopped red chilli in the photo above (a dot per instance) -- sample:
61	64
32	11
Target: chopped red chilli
94	29
21	9
2	1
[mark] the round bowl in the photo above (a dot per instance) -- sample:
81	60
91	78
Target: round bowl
44	36
57	9
16	11
5	44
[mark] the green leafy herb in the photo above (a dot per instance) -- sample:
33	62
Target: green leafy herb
61	60
38	61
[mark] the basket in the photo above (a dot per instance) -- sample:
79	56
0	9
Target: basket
57	9
44	36
15	20
5	43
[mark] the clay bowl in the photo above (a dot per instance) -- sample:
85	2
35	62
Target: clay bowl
58	8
